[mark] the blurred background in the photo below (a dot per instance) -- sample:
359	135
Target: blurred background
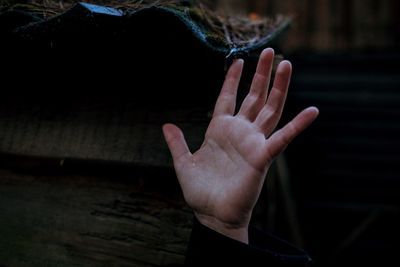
328	25
344	177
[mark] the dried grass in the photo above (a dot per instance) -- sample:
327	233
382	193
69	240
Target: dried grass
220	28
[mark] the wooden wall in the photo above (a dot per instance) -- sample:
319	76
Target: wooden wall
91	220
326	25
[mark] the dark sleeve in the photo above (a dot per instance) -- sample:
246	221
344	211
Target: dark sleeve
209	248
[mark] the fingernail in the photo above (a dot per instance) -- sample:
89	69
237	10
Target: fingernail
314	109
284	64
238	60
269	49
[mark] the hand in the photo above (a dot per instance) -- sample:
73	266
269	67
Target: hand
222	180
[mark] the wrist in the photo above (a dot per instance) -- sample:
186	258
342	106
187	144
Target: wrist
239	233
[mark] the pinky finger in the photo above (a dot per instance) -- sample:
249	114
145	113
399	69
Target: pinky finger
282	138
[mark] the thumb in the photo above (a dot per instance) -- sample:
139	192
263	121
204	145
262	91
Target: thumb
176	142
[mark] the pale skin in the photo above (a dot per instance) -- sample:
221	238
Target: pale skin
222	180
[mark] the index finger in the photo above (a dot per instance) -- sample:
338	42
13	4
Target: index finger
226	101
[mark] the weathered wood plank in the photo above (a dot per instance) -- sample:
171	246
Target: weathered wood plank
116	132
91	221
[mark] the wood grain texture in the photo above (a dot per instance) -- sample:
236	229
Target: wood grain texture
93	184
91	221
113	132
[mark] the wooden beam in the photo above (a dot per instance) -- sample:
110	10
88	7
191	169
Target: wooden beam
91	221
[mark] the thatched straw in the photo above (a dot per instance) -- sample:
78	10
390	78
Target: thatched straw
232	31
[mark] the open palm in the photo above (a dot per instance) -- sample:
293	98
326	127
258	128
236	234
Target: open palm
223	179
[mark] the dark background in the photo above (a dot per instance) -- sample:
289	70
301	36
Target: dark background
344	169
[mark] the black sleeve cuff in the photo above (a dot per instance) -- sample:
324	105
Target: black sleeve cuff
209	248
